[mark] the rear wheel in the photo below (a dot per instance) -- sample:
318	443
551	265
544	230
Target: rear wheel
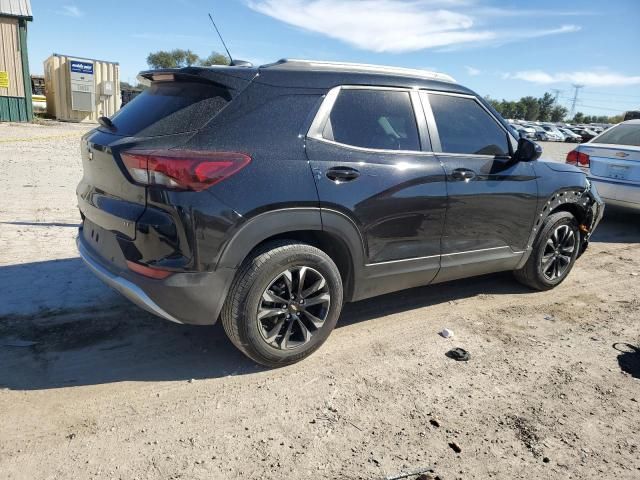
283	304
554	253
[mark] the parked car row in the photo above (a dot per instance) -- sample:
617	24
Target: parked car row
555	132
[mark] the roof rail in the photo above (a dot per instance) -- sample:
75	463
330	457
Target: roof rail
320	65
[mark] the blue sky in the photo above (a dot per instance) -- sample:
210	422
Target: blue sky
497	48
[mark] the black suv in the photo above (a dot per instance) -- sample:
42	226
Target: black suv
270	196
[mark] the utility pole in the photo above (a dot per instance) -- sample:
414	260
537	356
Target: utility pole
557	92
575	99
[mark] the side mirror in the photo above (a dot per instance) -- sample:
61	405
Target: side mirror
527	151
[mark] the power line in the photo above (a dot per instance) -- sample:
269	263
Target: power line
612	100
601	108
611	94
606	100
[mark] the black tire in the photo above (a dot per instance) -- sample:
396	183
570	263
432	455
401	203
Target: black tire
258	278
543	277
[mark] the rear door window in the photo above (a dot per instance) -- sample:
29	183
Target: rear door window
465	127
170	107
623	134
376	119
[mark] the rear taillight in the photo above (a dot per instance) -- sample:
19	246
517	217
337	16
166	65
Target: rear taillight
182	169
574	157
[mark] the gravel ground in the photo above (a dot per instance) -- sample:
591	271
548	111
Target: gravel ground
107	391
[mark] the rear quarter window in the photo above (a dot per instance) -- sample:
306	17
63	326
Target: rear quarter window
374	119
623	134
167	108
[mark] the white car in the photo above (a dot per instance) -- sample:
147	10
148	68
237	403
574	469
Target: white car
553	133
612	163
523	131
569	136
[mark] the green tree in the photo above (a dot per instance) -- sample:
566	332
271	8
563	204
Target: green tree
177	58
530	108
508	109
558	113
578	117
214	58
545	106
494	103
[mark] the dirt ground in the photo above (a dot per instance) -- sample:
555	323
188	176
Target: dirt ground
93	387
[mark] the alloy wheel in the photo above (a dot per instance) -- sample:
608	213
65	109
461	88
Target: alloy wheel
558	252
293	308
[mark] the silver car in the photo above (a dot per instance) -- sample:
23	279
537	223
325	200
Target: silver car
612	162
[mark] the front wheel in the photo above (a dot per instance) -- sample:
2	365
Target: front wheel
283	304
554	253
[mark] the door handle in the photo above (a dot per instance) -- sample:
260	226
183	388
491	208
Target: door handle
463	174
342	174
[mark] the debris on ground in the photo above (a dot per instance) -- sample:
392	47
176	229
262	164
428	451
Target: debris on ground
455	447
425	473
429	476
458	354
446	333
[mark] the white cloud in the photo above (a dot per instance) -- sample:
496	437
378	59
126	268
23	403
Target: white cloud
71	11
397	26
472	71
377	25
544	33
510	36
592	78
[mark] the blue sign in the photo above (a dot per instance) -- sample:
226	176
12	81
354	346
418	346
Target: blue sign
82	67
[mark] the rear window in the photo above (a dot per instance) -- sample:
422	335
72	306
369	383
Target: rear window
170	107
623	134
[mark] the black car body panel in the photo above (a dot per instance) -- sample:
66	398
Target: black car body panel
391	219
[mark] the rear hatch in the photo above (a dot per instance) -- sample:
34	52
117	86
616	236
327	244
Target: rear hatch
164	116
615	154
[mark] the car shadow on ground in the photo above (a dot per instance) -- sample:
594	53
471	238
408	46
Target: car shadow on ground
102	339
618	226
119	342
629	358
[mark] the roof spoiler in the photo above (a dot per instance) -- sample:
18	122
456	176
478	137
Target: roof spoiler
240	63
230	77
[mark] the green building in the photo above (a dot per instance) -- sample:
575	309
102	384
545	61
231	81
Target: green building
15	81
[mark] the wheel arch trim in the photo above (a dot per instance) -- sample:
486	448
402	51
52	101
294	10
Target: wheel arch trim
281	221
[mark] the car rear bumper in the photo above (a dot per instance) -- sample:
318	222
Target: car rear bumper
617	193
193	298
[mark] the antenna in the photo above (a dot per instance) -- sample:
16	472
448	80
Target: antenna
221	39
